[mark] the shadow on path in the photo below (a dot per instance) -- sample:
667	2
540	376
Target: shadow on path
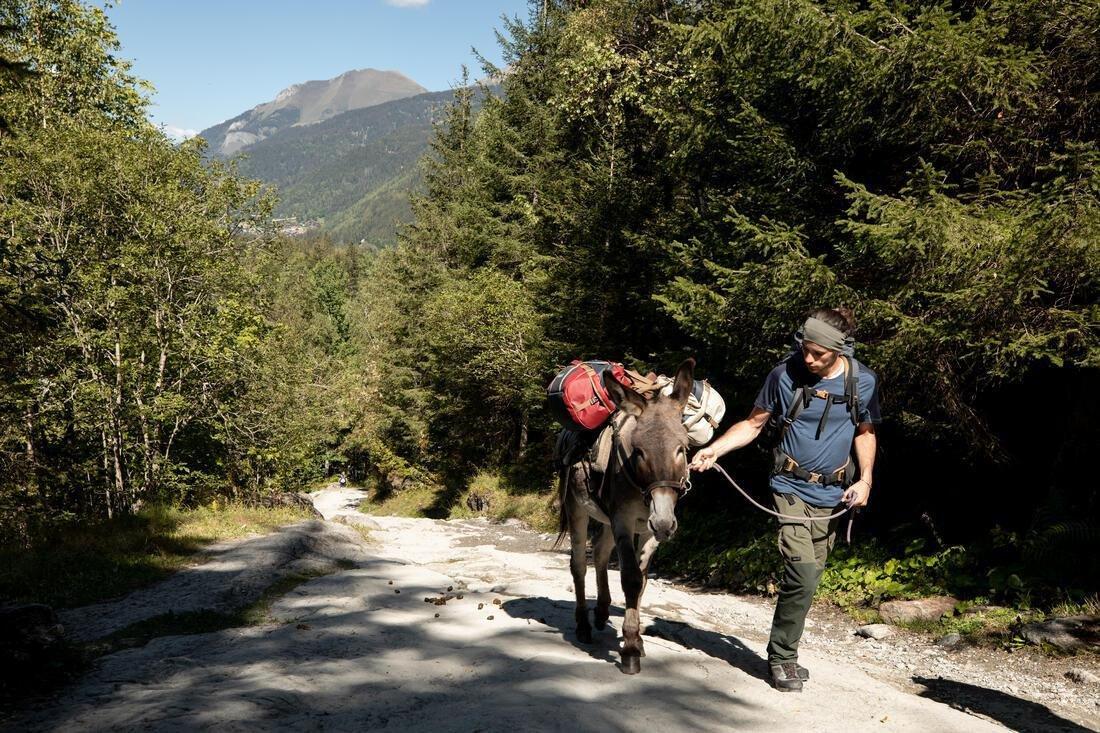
728	648
392	665
605	645
1012	712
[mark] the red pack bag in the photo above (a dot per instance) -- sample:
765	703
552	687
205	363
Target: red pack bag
577	396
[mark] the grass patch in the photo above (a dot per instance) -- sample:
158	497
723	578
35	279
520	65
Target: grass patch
501	497
415	501
74	564
504	501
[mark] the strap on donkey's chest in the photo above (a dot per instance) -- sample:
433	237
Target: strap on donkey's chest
804	395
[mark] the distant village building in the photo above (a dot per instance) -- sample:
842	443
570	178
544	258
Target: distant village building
290	227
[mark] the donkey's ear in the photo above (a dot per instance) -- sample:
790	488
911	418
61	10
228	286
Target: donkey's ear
625	399
684	382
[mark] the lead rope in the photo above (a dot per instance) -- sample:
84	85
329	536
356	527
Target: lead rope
763	508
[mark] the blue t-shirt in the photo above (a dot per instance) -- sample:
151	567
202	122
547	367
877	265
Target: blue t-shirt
832	449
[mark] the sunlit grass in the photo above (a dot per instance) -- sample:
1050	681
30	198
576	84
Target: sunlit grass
506	502
411	502
503	502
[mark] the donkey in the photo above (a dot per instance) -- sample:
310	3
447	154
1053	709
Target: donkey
646	474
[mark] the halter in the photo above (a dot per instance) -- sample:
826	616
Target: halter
682	487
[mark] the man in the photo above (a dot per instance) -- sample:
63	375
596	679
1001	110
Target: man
813	474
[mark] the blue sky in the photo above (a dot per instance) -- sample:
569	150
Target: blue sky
211	60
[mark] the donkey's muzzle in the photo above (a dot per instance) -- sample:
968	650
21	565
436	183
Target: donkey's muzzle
663	529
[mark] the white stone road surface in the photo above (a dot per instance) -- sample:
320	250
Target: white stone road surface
360	649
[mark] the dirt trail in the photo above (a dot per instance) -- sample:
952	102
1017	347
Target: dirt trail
361	649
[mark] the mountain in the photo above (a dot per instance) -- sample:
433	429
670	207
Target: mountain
306	104
352	173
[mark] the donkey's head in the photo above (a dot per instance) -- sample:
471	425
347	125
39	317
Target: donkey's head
654	446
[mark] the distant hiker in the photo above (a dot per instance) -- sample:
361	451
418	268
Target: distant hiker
813	471
343	480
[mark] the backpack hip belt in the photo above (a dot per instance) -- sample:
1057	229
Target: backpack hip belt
787	466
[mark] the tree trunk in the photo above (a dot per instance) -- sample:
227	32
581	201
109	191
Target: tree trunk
31	454
117	448
107	475
521	443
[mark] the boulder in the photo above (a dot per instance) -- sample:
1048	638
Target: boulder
949	641
923	609
874	631
1066	633
291	499
28	630
34	651
477	502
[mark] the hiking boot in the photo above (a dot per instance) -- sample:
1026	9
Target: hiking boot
803	673
785	677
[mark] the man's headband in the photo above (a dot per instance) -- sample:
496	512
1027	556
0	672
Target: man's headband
822	334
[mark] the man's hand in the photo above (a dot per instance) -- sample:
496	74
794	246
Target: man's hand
857	494
704	459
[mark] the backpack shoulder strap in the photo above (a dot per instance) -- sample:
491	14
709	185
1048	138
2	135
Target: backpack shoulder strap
851	388
800	399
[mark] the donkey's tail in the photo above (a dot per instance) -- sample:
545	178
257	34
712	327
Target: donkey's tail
563	504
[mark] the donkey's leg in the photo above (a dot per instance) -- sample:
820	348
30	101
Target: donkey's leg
578	564
601	554
647	545
632	588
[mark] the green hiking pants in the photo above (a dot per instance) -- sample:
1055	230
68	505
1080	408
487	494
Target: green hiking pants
805	546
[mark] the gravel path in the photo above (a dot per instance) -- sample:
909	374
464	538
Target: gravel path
361	649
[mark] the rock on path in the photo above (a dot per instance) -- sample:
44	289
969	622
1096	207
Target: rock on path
494	651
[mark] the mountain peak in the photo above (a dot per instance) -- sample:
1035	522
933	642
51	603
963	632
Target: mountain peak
307	103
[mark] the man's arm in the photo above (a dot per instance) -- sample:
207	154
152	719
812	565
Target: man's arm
866	444
738	436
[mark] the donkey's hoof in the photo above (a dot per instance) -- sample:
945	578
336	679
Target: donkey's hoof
632	664
584	635
600	622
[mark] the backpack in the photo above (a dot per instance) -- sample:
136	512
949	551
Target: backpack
705	408
577	397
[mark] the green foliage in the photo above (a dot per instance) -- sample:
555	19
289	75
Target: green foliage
127	288
868	575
